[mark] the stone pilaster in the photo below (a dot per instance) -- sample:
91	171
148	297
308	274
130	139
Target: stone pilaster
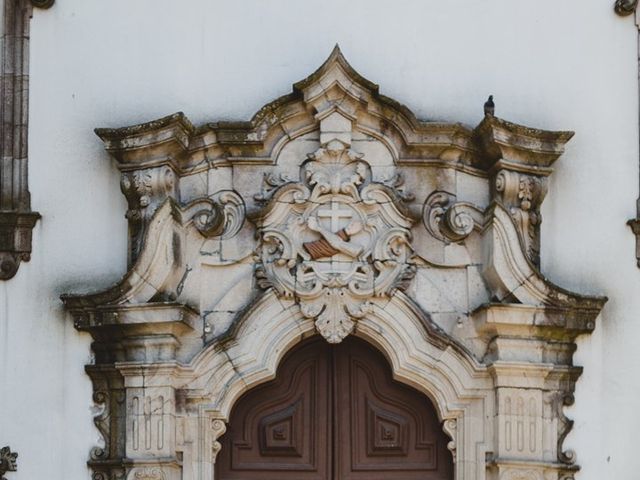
530	360
16	218
150	426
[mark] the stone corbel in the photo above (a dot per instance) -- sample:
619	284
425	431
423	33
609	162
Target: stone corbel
522	195
8	461
145	190
518	160
16	218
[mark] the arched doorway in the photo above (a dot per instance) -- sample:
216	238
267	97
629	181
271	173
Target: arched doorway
334	413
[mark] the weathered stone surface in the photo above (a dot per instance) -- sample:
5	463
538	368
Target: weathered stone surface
334	211
16	218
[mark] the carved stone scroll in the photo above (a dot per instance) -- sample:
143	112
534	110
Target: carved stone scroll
448	220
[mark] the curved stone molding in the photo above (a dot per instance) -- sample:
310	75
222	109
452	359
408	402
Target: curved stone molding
511	275
456	384
418	237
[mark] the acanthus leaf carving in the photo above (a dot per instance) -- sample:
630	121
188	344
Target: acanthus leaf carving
334	240
145	190
522	194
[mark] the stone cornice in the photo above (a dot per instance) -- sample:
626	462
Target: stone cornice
174	141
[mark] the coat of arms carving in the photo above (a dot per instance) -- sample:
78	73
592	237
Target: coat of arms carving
334	240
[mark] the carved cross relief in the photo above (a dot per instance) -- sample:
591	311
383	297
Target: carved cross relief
335	239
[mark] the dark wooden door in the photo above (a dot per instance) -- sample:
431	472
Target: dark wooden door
334	413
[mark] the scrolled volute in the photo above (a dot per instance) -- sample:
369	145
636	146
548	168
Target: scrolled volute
448	220
221	215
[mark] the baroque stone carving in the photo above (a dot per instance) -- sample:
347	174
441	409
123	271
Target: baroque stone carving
334	240
522	195
448	220
419	237
16	218
8	461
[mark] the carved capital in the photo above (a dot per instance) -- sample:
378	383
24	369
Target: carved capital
522	194
8	461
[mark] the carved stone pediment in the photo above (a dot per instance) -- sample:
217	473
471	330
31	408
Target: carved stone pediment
333	211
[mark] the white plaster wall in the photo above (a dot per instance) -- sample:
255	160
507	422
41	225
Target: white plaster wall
553	64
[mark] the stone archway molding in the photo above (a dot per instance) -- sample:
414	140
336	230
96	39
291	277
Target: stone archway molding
460	388
333	211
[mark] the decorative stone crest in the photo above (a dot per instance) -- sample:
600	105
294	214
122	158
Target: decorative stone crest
334	240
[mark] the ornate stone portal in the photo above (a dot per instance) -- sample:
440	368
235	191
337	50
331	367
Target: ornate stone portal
334	211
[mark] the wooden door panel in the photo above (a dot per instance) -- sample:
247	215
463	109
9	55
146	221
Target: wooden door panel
334	413
281	430
384	430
